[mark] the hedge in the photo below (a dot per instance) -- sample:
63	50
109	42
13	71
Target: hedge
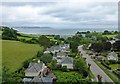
117	73
104	64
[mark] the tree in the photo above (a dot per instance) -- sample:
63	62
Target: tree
39	53
106	32
64	68
116	45
53	64
26	64
9	34
74	47
44	41
80	64
97	47
46	58
78	34
107	46
118	36
7	77
57	37
33	41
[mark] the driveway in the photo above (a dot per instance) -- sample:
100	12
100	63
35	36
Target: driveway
95	69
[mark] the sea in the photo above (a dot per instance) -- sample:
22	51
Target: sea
61	32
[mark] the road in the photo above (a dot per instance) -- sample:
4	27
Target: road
95	69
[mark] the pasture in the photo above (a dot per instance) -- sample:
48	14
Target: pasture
14	53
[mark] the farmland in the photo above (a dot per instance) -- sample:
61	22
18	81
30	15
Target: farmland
14	53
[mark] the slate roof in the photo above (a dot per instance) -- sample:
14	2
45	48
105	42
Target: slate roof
37	79
61	54
27	79
42	80
67	60
35	68
113	54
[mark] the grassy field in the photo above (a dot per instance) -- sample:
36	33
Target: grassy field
14	53
110	36
115	66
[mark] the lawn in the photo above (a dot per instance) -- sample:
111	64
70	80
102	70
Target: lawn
14	53
114	66
110	36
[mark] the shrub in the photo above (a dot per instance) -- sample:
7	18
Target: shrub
64	68
26	64
39	53
104	64
59	66
117	73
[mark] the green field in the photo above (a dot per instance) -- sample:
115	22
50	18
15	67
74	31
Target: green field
115	66
110	36
14	53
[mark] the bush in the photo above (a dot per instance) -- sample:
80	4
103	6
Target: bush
59	66
113	62
46	58
104	64
64	68
39	53
26	64
117	73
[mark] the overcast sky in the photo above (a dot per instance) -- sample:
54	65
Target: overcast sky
61	14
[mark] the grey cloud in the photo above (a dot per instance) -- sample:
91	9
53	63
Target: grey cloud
94	13
39	4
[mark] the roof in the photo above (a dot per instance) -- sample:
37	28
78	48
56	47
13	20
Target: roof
113	54
31	64
35	68
47	79
37	79
27	79
67	60
61	53
51	75
42	80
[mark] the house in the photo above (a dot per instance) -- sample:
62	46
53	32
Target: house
112	41
100	58
112	56
89	46
42	80
45	52
94	37
65	46
34	69
67	61
52	49
56	48
47	79
27	80
60	54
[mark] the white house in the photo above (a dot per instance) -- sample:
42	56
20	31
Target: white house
112	56
34	69
67	61
100	58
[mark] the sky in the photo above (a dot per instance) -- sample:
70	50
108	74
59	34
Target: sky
60	14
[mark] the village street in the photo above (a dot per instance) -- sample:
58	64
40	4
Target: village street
95	69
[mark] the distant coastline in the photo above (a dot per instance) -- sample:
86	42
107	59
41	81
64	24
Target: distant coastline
55	31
